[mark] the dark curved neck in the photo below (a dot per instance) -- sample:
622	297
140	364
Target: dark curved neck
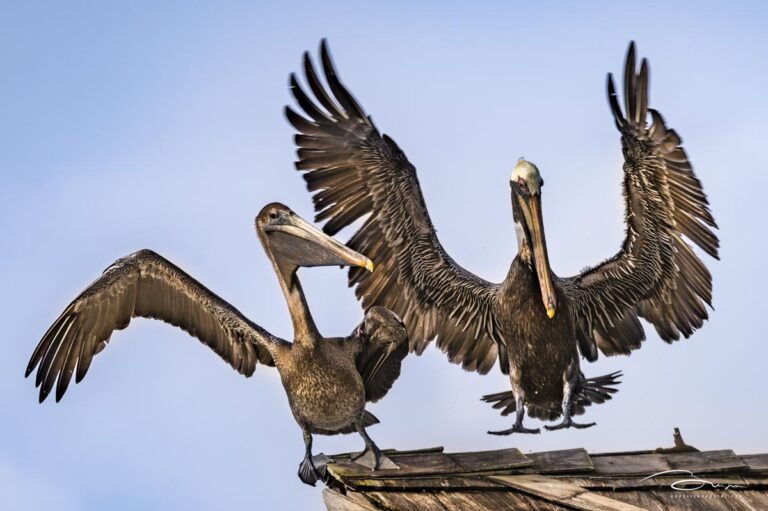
304	329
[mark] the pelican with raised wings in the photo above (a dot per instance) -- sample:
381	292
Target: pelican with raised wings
534	322
327	380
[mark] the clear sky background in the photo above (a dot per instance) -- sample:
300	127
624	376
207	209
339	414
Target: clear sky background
139	125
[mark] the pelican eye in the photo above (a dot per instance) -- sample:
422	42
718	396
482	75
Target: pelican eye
522	184
273	215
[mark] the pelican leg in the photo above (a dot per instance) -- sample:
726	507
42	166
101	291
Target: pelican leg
308	473
519	414
567	422
519	393
371	457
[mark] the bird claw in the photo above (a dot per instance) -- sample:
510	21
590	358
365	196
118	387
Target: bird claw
517	428
568	423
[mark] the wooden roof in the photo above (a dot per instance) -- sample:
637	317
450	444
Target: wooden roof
431	479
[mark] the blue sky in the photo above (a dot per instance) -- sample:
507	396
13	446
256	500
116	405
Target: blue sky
140	125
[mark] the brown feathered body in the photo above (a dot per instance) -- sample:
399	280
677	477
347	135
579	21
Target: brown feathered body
323	384
538	348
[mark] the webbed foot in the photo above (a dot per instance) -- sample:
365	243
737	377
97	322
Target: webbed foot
308	473
374	459
517	428
321	461
568	423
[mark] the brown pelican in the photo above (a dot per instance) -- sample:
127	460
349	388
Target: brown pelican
327	380
536	322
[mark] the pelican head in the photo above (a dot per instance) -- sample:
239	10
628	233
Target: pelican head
526	184
292	242
525	172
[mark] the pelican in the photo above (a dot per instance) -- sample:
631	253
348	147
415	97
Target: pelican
535	323
327	380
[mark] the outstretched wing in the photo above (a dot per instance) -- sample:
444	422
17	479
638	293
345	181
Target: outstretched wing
353	172
656	275
147	285
384	345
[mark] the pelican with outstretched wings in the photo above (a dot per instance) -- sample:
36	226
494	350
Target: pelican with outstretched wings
534	322
328	380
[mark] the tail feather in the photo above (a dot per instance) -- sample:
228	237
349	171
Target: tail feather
598	389
501	400
588	391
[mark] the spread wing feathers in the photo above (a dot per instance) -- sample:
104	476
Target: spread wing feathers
656	275
147	285
353	172
384	346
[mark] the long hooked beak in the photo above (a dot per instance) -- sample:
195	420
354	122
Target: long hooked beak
531	207
306	245
380	362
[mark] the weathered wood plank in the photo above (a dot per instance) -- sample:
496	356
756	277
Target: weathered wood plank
562	492
706	501
643	499
706	461
487	461
407	501
756	462
596	502
459	483
663	483
430	463
335	501
418	464
494	501
476	501
565	461
749	500
344	456
462	501
630	465
695	501
542	486
434	464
